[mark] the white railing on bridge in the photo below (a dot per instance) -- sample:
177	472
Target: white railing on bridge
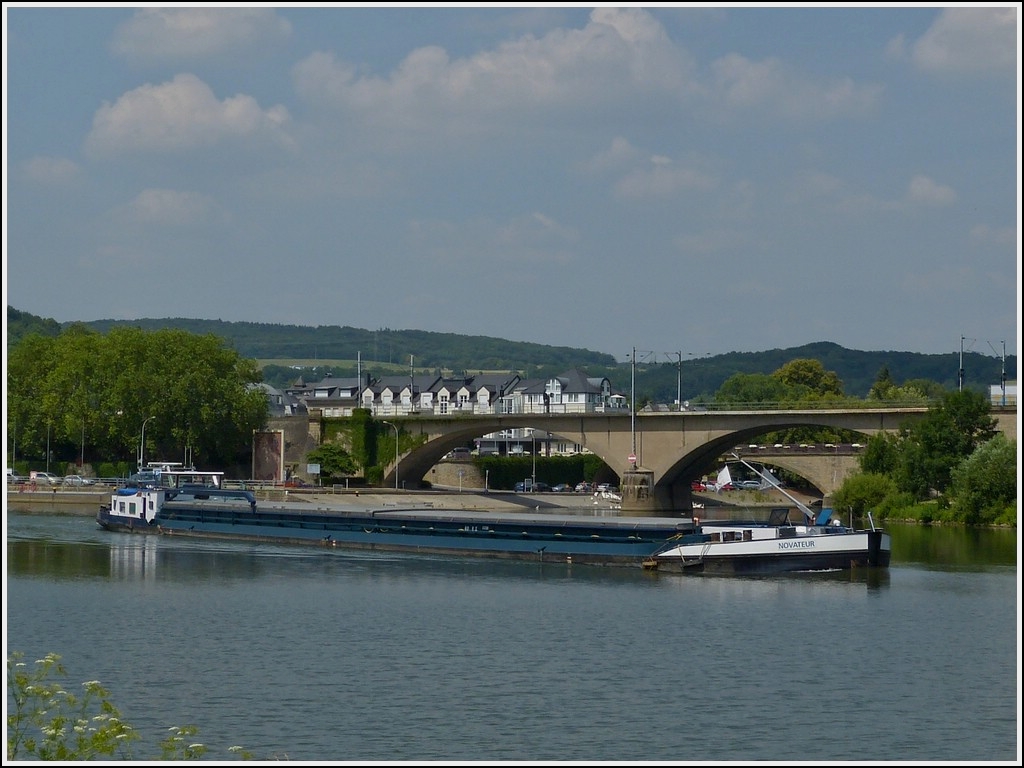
472	408
469	409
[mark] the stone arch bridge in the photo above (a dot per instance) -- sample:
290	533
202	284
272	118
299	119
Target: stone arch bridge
671	448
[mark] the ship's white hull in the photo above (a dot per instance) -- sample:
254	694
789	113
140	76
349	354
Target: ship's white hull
746	550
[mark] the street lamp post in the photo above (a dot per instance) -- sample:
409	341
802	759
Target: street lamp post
142	443
533	478
394	427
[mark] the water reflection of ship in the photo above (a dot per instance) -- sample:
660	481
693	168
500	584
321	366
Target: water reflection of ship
135	559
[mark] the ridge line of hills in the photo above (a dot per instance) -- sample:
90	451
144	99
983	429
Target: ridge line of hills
659	379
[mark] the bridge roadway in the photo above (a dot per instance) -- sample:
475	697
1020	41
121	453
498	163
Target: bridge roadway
671	448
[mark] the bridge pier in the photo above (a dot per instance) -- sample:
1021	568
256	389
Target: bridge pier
641	496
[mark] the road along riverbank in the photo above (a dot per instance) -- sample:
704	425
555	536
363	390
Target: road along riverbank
86	501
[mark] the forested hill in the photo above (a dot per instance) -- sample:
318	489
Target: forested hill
658	377
332	342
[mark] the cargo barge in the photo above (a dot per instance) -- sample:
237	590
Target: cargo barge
190	503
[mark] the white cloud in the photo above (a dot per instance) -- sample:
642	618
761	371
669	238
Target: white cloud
179	115
924	190
662	178
619	153
969	40
531	238
188	33
1002	236
700	245
741	83
52	171
620	52
170	208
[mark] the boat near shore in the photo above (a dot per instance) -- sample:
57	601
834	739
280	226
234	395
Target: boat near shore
754	548
816	543
171	500
184	502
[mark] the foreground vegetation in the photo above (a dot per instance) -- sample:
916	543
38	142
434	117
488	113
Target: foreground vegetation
47	722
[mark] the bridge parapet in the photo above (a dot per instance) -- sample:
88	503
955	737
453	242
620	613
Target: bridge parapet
674	447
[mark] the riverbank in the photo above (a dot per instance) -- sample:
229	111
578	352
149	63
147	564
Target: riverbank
86	501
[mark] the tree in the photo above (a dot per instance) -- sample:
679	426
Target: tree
807	377
883	385
984	485
333	459
94	392
861	493
930	449
748	388
881	454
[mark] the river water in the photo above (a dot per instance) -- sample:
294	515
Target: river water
328	655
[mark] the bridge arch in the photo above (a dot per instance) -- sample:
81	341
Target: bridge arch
675	447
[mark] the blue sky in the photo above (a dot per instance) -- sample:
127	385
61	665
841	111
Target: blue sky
694	180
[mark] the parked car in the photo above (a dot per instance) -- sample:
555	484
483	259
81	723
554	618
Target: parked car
562	488
44	478
528	487
13	478
78	480
583	487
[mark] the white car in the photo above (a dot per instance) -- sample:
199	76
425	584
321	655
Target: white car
44	478
78	480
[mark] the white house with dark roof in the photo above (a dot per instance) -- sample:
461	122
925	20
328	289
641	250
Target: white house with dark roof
332	395
571	392
281	403
397	395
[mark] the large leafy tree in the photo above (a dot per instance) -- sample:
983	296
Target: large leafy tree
984	484
881	454
885	389
752	388
94	392
807	378
948	434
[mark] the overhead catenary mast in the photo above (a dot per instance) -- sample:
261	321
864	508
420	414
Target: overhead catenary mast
961	373
632	403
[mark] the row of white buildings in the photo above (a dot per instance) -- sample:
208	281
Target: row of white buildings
571	392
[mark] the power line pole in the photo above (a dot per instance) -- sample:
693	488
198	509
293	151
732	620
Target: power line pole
961	373
679	382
